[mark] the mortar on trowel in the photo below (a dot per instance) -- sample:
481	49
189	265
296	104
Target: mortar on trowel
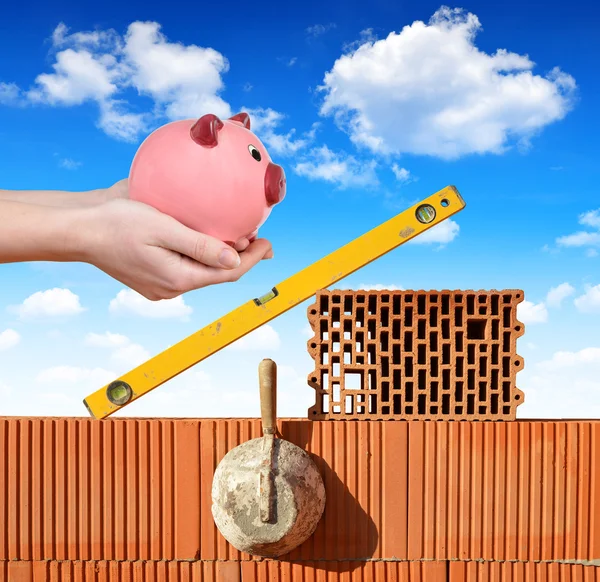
267	495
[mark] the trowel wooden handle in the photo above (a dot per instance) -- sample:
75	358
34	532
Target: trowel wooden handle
267	378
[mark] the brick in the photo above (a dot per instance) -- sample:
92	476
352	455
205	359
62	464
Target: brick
434	355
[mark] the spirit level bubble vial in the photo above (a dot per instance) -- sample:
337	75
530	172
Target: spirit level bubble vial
275	301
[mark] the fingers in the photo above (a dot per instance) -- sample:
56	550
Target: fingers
203	248
241	245
200	276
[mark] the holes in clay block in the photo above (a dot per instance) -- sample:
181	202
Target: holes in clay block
482	391
373	403
335	389
408	366
372	380
408	341
349	405
445	304
422	380
446	354
470	304
445	329
459	341
421	327
371	354
482	367
384	341
385	367
395	329
433	316
360	341
385	316
353	380
470	354
372	304
371	329
459	395
336	369
445	403
348	305
385	392
409	392
476	329
458	316
434	366
433	341
445	379
408	317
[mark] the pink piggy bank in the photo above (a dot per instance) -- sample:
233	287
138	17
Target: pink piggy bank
212	175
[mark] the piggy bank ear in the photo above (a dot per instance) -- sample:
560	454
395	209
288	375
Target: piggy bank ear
204	131
243	117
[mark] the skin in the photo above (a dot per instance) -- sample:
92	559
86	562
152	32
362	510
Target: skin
132	242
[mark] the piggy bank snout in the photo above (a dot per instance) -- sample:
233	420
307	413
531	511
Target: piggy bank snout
274	184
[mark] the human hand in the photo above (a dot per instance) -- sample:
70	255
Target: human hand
120	190
156	255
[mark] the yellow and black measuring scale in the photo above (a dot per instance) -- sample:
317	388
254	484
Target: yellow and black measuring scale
281	298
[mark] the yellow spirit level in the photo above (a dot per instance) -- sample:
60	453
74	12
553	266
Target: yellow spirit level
281	298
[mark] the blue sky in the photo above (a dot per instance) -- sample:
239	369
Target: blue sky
369	108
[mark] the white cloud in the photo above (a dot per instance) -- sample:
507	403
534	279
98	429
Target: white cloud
565	386
429	90
265	122
9	94
129	301
106	340
364	36
69	164
441	233
51	303
74	374
591	218
579	239
584	238
589	302
319	29
380	287
131	355
263	338
100	66
79	76
402	174
124	350
530	313
314	163
337	168
556	295
9	338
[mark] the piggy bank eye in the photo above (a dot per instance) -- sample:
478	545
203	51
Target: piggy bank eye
254	152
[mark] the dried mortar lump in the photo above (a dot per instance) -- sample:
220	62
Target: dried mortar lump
415	354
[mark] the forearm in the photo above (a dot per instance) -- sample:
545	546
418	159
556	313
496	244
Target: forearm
57	198
31	232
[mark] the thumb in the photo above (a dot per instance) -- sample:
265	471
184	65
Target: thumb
200	247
